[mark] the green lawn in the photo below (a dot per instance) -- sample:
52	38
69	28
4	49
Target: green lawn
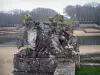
88	70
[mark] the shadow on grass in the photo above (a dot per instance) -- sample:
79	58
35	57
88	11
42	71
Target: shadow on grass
88	70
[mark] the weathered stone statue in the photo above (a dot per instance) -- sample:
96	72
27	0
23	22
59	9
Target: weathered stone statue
51	52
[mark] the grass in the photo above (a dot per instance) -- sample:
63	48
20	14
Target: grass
88	70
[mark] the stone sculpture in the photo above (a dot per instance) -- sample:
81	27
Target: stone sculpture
50	47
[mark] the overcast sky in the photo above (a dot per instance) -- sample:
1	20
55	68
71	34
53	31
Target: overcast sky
57	5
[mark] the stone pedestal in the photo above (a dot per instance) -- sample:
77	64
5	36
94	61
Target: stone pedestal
65	68
66	65
25	63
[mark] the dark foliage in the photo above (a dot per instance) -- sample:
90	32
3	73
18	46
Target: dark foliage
88	13
15	16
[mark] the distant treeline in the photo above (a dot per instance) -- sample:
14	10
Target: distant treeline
15	16
88	13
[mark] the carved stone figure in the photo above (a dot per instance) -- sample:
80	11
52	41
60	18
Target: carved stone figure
50	47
